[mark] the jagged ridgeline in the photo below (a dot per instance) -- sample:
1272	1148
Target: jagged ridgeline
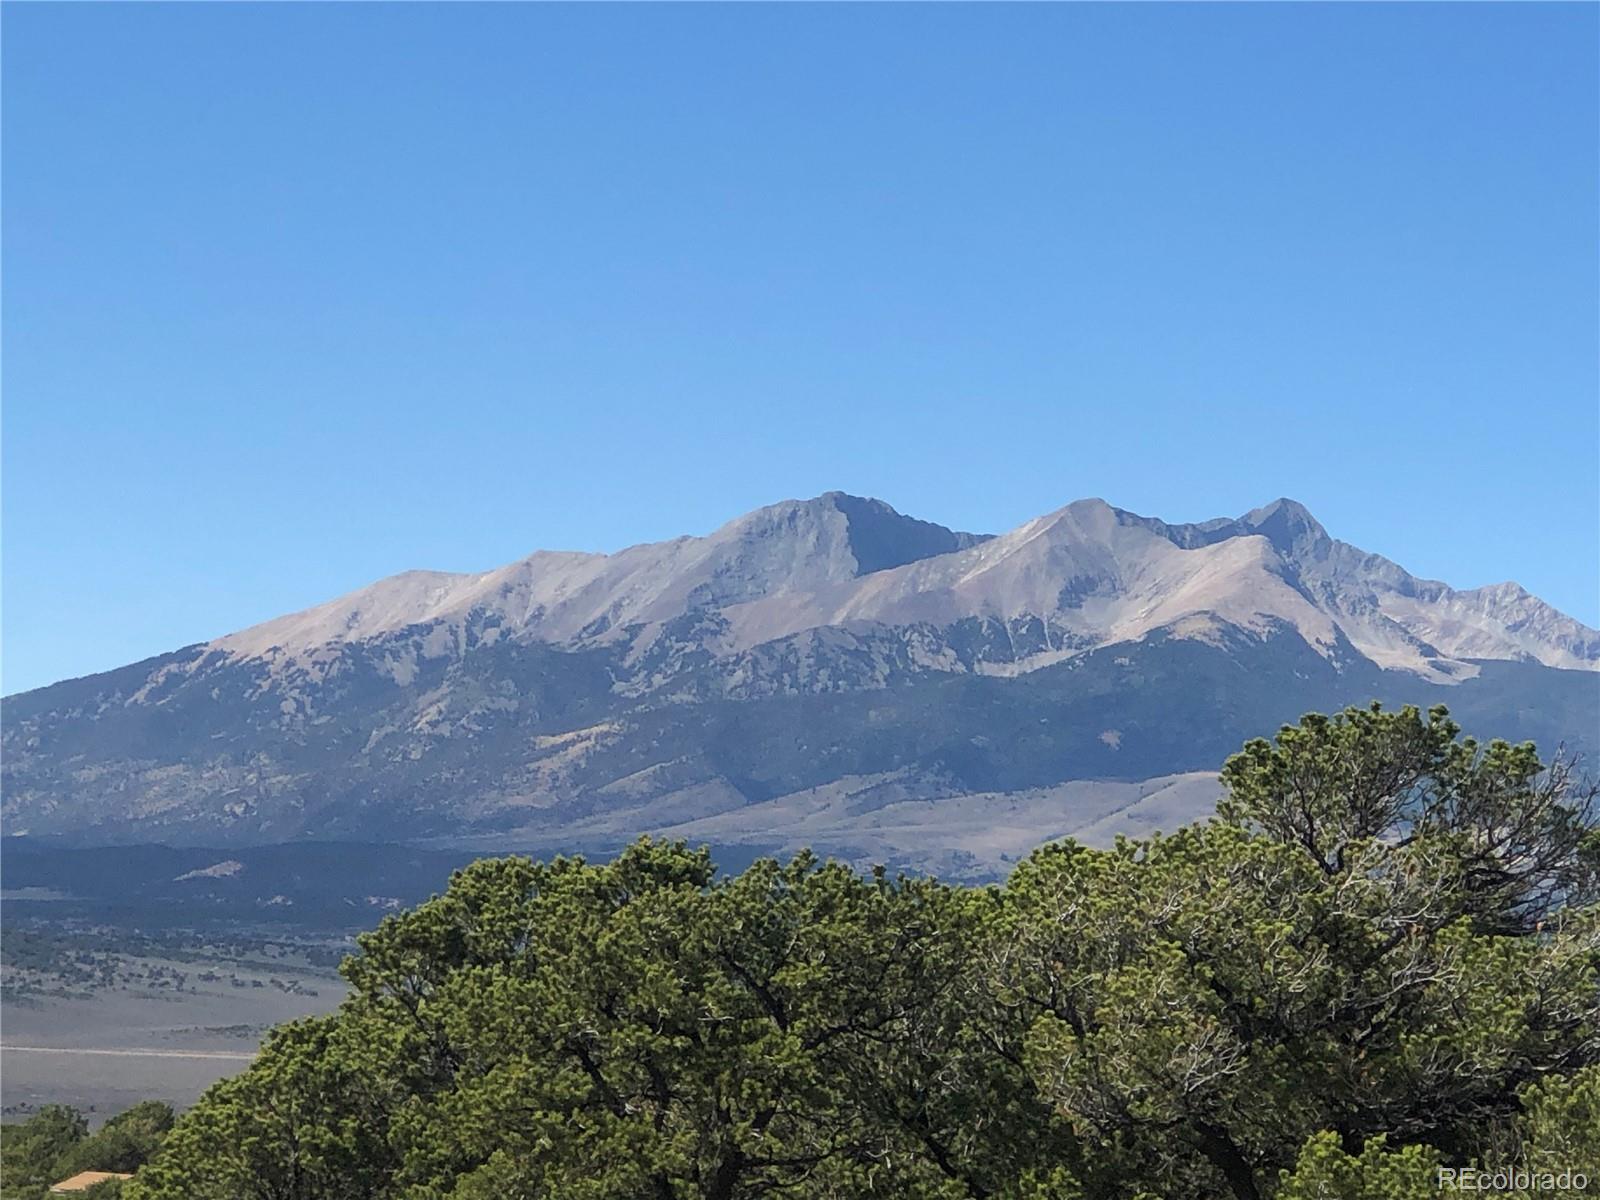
1378	964
825	672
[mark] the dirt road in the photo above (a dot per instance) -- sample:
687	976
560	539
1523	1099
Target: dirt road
233	1055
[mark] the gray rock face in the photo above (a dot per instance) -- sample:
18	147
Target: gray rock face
827	668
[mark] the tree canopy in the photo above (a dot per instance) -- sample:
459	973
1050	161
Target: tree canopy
1378	960
55	1143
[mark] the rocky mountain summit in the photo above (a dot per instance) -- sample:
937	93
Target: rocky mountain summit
827	670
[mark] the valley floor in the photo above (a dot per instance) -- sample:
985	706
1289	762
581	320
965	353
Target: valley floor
149	1028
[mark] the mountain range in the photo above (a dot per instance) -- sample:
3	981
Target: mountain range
826	671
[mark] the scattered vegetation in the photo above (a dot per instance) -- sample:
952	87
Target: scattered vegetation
43	960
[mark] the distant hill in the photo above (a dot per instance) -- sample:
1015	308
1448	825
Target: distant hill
827	671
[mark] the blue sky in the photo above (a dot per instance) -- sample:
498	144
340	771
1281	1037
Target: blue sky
298	296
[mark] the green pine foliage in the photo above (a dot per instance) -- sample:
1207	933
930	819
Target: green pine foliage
1379	961
55	1143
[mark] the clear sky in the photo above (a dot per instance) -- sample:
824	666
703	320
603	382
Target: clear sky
299	296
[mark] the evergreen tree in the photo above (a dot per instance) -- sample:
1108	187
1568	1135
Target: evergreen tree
1379	959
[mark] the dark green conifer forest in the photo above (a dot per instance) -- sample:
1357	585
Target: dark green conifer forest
1379	959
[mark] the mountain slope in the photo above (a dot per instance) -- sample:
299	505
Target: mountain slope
1094	574
828	644
562	596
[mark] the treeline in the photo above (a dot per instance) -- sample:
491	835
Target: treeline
1379	960
48	947
43	961
55	1144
